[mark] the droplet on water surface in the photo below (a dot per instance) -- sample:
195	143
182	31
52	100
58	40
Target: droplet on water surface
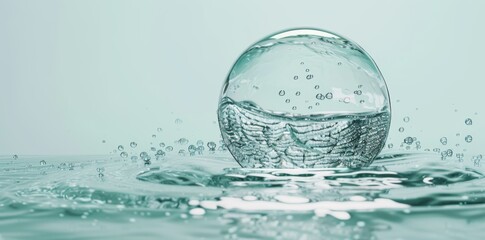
260	130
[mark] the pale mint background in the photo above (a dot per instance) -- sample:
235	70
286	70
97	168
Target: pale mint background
73	73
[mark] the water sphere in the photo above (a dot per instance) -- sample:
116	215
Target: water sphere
344	122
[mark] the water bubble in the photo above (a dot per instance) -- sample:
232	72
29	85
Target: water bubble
43	163
161	144
262	131
154	136
15	157
406	119
295	78
287	100
133	144
468	121
390	145
401	129
124	154
178	121
211	146
192	149
169	148
358	92
297	93
183	141
200	143
468	138
444	140
449	152
104	141
153	149
408	140
121	148
159	129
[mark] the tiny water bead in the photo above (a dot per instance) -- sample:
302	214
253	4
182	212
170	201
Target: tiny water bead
15	157
468	138
468	121
133	144
339	113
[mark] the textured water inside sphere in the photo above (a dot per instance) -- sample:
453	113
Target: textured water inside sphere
304	98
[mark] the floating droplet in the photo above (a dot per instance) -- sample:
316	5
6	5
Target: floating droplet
124	154
444	140
43	162
309	76
401	129
320	96
121	148
169	148
287	100
406	119
133	144
282	93
468	121
211	146
408	140
297	93
317	86
159	129
295	78
329	95
468	138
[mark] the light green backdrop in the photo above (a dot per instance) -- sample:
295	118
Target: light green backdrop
74	73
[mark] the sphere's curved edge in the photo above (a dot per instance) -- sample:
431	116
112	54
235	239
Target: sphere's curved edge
304	31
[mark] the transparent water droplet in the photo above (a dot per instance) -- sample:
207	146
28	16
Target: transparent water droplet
468	121
408	140
298	93
183	141
200	143
192	148
401	129
287	100
309	76
468	138
390	145
339	63
358	92
406	119
104	141
161	144
178	121
294	108
295	78
329	95
346	100
282	93
133	144
211	146
124	154
154	136
444	140
169	148
307	70
43	163
121	148
159	129
320	96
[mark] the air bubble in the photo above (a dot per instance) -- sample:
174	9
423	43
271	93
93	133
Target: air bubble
295	78
178	121
317	86
133	144
211	146
329	95
468	138
43	163
406	119
298	93
309	76
468	121
444	140
169	148
408	140
401	129
121	148
124	154
307	70
358	92
294	108
320	96
159	129
282	93
287	100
